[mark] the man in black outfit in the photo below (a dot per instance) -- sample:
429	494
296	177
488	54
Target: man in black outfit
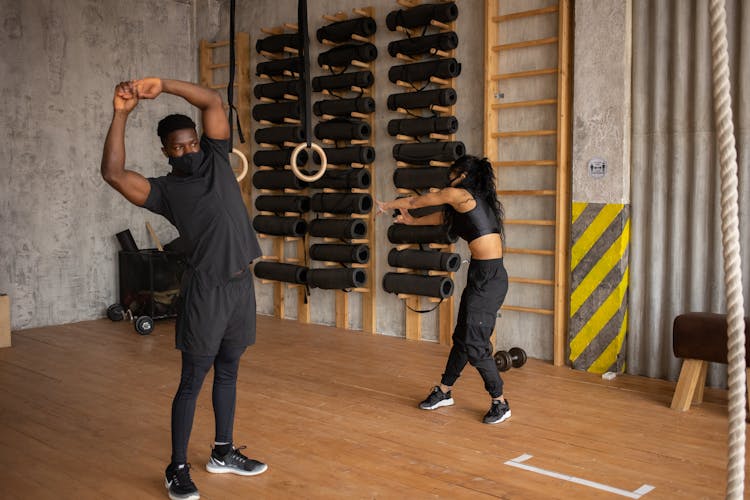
216	319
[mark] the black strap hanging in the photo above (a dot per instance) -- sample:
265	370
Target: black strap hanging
305	48
230	85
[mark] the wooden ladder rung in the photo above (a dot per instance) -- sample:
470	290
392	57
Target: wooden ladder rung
531	281
215	45
533	310
529	222
523	133
525	163
528	251
218	65
524	44
525	13
524	74
221	85
525	104
526	192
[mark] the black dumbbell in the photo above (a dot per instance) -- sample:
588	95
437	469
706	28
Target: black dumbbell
142	324
116	312
515	357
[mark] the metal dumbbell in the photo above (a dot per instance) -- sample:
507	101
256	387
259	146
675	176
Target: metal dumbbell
515	357
142	324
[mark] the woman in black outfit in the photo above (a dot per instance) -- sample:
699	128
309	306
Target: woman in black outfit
474	213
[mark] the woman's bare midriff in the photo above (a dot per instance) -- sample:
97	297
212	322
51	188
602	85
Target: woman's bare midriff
489	246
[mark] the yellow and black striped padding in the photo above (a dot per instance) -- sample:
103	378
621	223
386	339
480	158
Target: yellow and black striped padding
600	235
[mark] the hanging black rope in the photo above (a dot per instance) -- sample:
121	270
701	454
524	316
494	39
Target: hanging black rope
230	85
305	48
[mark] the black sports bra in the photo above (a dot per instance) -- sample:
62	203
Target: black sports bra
477	222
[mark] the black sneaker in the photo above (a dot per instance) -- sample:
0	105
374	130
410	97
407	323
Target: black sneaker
235	462
436	399
179	484
499	412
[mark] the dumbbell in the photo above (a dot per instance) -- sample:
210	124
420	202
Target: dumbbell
142	324
515	357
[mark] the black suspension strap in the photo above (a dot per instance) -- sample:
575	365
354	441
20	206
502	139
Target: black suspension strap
230	85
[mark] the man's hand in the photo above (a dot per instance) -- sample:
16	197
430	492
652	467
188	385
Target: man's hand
148	88
126	97
404	217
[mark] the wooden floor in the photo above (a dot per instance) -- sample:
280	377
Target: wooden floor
84	414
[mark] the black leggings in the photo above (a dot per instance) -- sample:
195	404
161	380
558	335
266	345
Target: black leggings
194	369
486	286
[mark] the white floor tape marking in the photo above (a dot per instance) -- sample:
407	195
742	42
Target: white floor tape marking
518	462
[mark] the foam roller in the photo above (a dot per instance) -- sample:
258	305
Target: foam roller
277	180
423	99
276	43
342	130
277	90
425	211
279	226
359	254
278	157
282	203
420	177
421	15
341	203
277	67
343	55
363	79
336	279
275	112
343	229
347	155
414	284
280	135
353	178
403	233
342	31
416	127
278	271
425	259
420	45
422	71
344	107
420	153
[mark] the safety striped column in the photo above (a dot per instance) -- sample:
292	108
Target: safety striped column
599	284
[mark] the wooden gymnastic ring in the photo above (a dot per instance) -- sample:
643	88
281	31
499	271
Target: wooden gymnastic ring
323	162
243	159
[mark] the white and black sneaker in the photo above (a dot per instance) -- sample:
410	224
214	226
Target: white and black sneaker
499	412
234	462
436	399
179	484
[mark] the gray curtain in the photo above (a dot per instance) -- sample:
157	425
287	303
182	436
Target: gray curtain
676	254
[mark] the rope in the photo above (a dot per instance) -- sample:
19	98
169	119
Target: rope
731	244
230	85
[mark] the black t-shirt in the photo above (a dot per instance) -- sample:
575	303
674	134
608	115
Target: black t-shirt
208	212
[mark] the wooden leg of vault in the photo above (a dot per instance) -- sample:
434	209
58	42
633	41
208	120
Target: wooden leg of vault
692	375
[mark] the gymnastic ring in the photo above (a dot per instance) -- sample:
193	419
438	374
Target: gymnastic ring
243	159
323	162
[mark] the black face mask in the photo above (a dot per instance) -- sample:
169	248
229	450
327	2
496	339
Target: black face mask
188	163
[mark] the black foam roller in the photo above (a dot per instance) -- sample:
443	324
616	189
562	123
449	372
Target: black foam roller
363	79
344	107
342	130
422	71
420	45
342	31
280	135
126	240
341	203
343	229
352	178
336	252
347	155
279	226
420	177
278	157
420	153
276	43
414	284
279	271
343	55
423	99
278	66
403	233
277	180
336	279
421	15
275	112
277	90
282	203
416	127
424	259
